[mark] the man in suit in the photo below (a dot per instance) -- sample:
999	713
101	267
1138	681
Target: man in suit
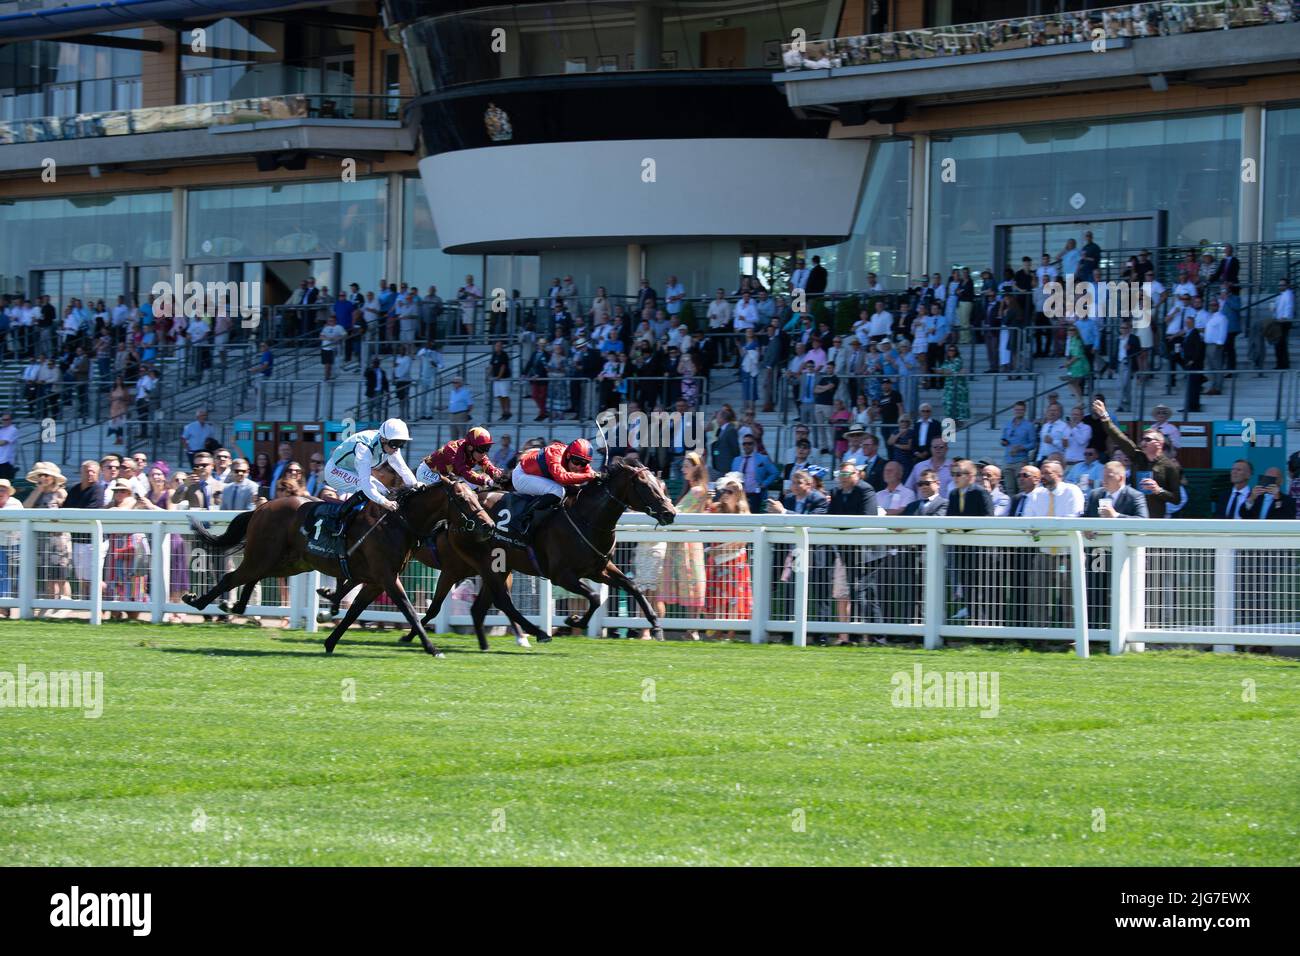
201	491
1269	500
925	428
240	493
859	599
1027	479
803	499
1194	363
757	471
1228	267
968	499
1232	503
376	388
726	443
929	503
872	464
1124	501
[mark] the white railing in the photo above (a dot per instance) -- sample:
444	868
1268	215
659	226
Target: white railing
1169	582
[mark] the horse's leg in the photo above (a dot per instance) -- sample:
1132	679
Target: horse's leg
477	612
242	604
612	575
336	596
229	580
520	638
445	583
398	594
501	598
367	594
571	582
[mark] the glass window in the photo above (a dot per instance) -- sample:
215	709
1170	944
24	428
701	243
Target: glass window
1186	165
1281	174
422	261
287	219
879	240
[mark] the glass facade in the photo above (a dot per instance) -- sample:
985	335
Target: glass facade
1281	174
879	240
84	231
1187	165
582	36
46	78
423	263
250	58
292	220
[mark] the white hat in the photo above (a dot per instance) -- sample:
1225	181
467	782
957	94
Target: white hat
394	430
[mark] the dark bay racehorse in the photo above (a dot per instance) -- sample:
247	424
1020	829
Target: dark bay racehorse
574	542
274	546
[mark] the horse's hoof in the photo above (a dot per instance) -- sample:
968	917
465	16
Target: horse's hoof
440	654
573	620
545	638
406	638
522	641
191	599
329	648
326	593
657	633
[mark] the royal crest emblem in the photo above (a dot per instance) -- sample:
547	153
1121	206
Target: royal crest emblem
498	124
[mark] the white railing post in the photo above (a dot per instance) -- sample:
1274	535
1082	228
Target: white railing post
802	573
1137	597
97	574
311	602
933	597
761	586
596	626
545	605
1079	591
1225	567
1121	596
26	570
159	573
294	584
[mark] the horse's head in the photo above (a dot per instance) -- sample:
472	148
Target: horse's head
450	500
465	511
637	487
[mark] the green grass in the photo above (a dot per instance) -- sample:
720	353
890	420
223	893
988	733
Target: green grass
559	749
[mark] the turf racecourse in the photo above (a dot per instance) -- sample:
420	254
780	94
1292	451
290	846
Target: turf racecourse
225	745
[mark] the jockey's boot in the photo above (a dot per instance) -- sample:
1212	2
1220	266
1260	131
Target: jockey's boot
344	518
536	509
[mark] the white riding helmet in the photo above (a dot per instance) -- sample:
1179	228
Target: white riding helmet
394	430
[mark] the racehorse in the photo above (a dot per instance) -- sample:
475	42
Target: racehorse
573	542
275	545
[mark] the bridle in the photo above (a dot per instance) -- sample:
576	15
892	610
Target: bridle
602	485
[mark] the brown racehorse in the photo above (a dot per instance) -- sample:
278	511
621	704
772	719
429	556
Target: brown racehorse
574	542
274	546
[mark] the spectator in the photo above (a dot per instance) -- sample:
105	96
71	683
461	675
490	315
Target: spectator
1283	317
9	543
430	362
1027	481
8	447
241	492
402	381
1114	499
499	372
261	473
469	295
202	492
1087	472
756	472
196	435
683	583
1153	472
968	498
460	400
331	335
55	558
938	463
990	479
1056	497
128	560
1269	500
929	501
902	444
729	595
376	385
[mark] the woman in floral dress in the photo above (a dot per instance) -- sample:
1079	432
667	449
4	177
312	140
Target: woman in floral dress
956	388
682	579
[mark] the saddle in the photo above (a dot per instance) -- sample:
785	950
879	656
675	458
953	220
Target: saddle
504	514
321	529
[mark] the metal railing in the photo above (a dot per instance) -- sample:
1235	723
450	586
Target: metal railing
1166	18
182	116
931	580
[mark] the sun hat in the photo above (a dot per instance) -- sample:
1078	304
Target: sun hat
120	484
46	468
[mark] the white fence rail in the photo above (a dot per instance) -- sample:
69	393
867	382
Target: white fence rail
1126	582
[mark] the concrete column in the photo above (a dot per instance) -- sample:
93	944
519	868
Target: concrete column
918	207
635	254
1249	221
648	39
180	229
395	184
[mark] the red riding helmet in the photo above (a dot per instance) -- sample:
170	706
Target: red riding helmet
579	450
478	438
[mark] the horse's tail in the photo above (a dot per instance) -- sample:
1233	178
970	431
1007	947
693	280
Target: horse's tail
232	539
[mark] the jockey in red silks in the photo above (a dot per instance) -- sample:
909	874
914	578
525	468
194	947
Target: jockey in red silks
459	458
546	472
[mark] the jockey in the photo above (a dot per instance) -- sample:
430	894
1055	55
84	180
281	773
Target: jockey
349	469
546	472
459	457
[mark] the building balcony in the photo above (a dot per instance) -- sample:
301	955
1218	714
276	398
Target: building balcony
1170	40
208	131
